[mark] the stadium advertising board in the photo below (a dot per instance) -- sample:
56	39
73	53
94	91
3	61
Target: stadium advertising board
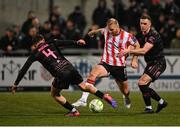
38	76
35	76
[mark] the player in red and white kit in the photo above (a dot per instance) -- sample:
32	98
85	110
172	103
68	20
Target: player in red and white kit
116	39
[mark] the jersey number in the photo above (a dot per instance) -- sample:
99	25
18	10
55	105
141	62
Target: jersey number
49	53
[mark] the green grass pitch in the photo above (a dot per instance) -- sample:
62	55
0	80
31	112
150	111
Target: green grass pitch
38	108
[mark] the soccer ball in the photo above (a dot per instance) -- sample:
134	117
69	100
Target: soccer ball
96	105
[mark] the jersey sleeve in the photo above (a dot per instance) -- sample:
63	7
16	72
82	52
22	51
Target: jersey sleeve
151	39
24	69
60	43
103	30
132	40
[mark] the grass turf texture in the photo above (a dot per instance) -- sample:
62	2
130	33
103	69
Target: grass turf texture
38	108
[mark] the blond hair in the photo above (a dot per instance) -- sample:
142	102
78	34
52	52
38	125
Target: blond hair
112	21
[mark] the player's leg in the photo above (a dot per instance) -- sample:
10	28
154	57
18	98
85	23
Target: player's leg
124	88
90	88
143	84
120	76
82	101
97	71
76	78
154	72
161	102
55	93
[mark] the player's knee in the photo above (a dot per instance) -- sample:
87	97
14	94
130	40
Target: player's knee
83	87
142	82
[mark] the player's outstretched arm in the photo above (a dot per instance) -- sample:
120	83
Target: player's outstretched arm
134	63
21	73
139	51
81	42
93	32
61	43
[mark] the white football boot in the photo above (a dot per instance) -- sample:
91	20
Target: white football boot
79	103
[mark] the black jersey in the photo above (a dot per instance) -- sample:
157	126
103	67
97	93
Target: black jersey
153	37
49	56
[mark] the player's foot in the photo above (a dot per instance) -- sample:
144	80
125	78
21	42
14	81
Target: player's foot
79	103
161	106
110	100
148	111
76	113
127	101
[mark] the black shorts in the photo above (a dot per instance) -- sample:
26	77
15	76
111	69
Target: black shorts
155	69
118	72
67	76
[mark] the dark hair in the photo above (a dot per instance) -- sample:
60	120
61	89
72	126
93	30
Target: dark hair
47	22
34	17
10	30
30	11
77	8
104	2
146	17
37	38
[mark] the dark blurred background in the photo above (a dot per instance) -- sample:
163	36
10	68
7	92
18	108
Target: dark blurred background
20	20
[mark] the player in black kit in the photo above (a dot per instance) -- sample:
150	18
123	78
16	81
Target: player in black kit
65	74
152	48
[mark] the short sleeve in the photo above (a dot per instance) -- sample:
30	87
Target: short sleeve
103	30
132	40
151	40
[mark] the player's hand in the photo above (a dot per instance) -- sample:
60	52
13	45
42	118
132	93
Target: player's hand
121	54
126	51
81	42
14	89
91	33
134	64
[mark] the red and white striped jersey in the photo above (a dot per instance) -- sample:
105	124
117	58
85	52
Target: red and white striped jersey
114	45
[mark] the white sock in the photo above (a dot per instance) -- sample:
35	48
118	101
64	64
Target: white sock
161	101
149	107
73	110
84	96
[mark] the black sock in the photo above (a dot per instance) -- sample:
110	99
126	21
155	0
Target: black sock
99	94
146	94
68	106
154	95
